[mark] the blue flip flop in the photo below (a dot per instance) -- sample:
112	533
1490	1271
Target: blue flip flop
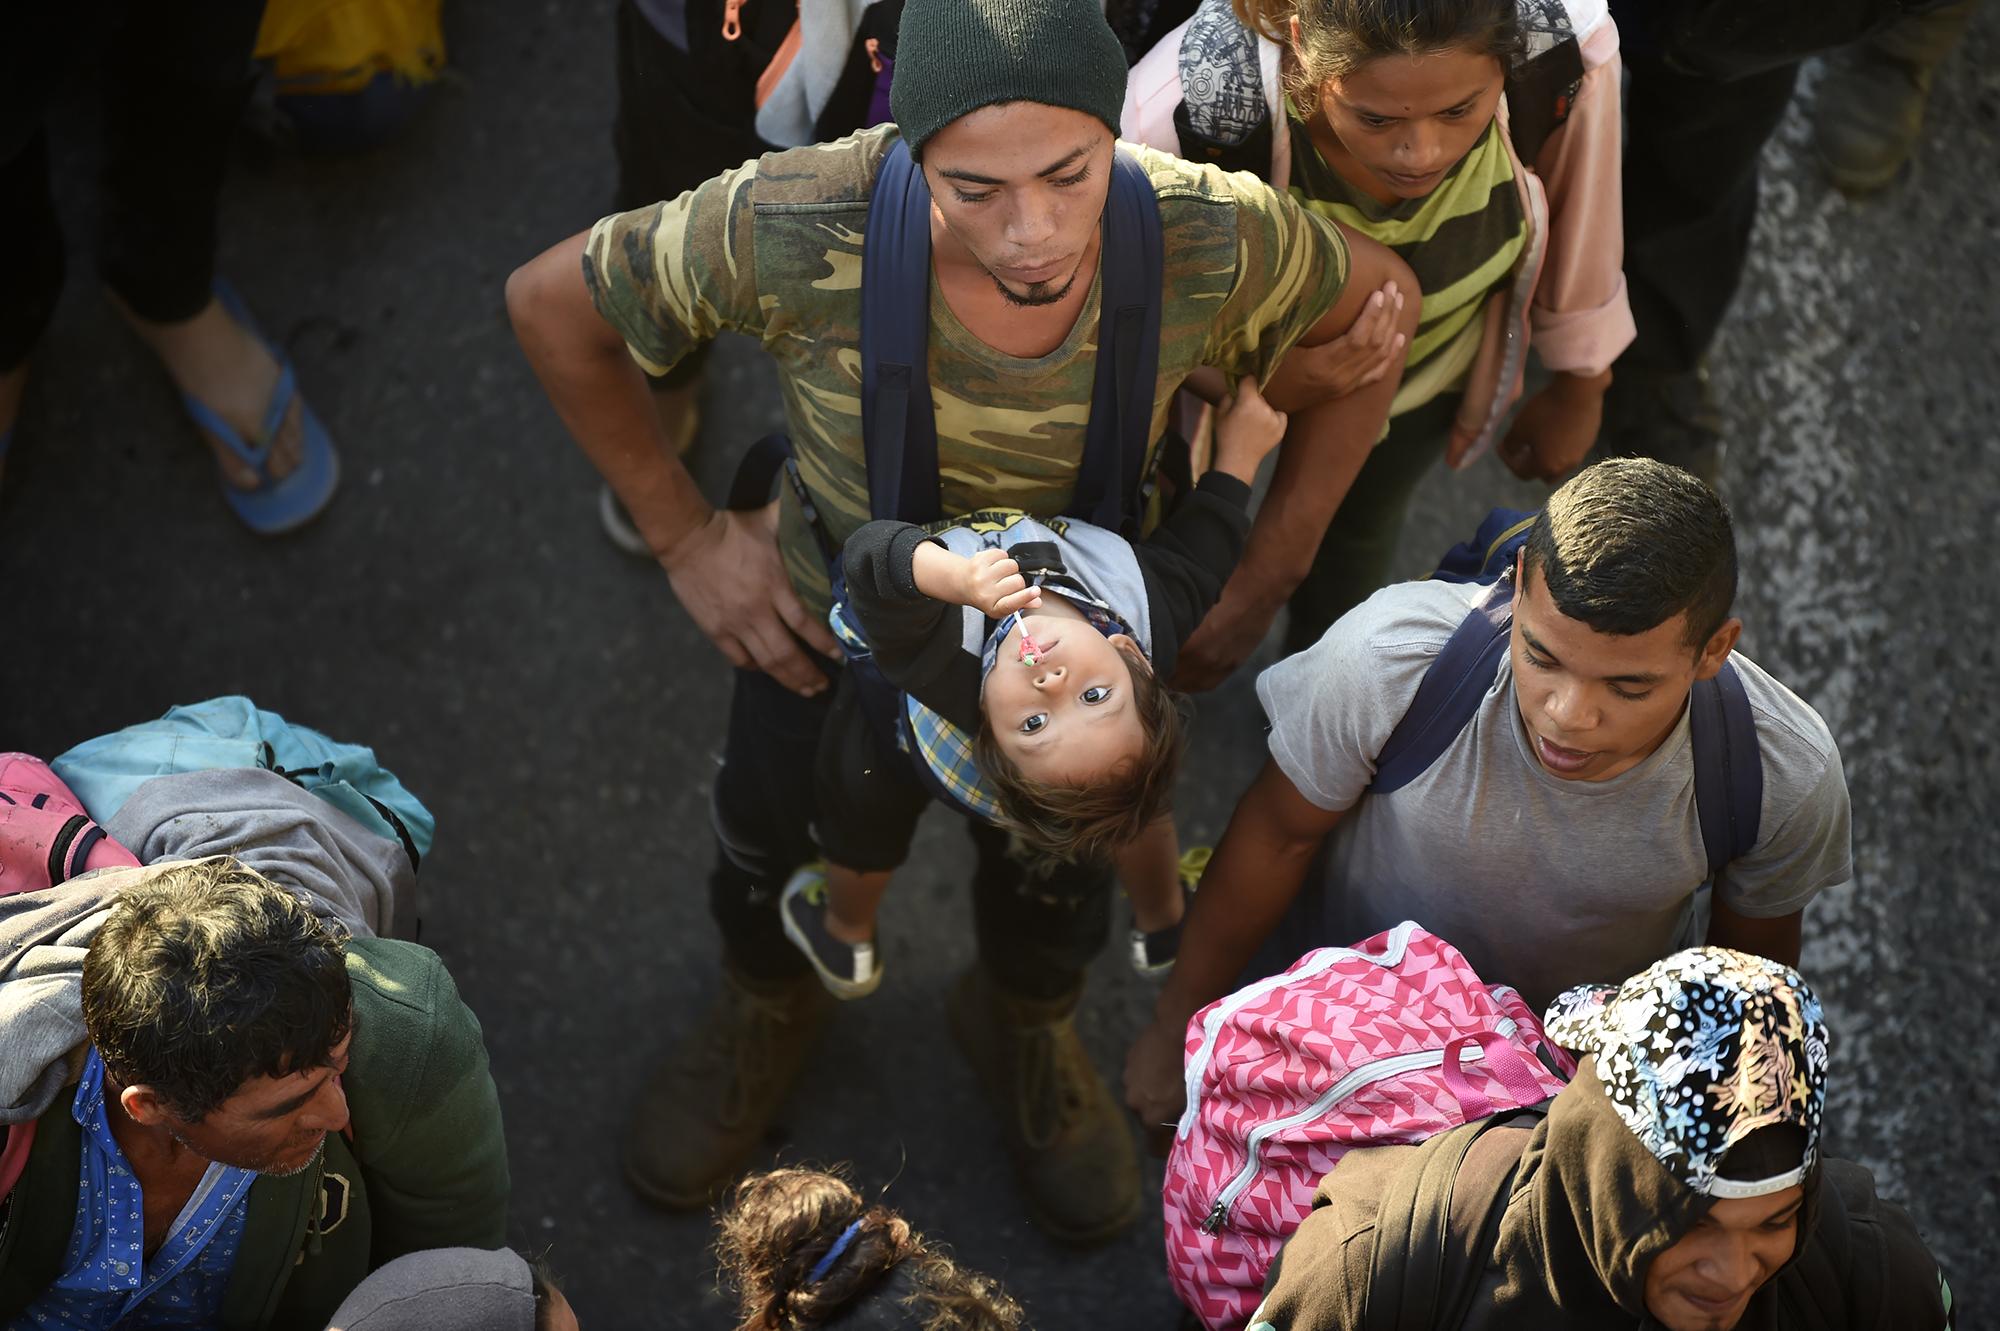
276	505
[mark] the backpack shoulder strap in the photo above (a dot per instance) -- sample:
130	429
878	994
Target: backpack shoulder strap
1110	489
1450	693
1728	767
898	431
1438	1224
1542	83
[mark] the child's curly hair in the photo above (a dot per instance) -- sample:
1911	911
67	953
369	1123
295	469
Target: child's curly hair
1055	825
778	1225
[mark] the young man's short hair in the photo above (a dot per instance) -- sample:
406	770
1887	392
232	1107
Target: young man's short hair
1055	825
1629	543
207	976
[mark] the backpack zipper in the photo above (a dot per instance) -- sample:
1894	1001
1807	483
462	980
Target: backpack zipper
1366	1075
1211	1025
732	24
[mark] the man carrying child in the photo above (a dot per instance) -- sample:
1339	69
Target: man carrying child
1009	108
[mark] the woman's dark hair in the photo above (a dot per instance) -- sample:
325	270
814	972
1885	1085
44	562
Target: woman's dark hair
208	975
1629	543
546	1285
1337	37
777	1226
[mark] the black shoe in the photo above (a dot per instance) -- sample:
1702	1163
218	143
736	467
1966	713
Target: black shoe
848	970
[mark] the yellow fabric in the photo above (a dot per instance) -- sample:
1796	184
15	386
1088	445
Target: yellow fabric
338	46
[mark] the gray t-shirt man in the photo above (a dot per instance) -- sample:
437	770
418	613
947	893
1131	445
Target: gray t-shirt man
1542	883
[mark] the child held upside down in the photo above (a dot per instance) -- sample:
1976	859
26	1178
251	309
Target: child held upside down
1051	643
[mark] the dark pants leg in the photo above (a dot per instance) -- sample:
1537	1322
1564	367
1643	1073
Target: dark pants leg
1359	548
679	124
1691	152
1036	934
35	46
174	81
762	810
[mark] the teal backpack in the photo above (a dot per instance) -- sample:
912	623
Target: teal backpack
234	732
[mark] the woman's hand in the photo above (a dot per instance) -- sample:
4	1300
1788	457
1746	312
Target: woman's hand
1556	428
1369	349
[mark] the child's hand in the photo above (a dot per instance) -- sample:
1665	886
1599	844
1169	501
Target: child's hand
991	583
1247	428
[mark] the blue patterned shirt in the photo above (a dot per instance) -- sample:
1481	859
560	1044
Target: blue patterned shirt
107	1280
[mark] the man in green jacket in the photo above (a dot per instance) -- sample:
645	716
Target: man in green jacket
1676	1185
264	1112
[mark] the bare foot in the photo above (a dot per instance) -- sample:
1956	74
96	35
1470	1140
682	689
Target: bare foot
222	364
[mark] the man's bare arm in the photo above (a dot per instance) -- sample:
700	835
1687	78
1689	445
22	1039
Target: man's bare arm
1324	450
1778	938
724	567
1251	880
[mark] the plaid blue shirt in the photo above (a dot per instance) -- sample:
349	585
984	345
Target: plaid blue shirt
106	1279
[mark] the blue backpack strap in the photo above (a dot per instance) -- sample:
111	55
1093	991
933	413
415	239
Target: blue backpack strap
1465	668
1110	483
1451	691
898	429
1490	552
1728	768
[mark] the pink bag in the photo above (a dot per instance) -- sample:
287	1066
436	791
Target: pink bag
46	837
1392	1040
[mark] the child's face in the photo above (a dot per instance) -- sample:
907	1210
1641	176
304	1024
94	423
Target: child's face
1069	718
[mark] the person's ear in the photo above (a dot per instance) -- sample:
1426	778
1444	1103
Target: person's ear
1520	578
1130	650
143	1105
1715	652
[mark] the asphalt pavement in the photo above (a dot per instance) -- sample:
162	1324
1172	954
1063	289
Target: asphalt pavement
458	609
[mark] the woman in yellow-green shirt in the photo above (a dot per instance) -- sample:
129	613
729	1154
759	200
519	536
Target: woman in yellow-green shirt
1479	140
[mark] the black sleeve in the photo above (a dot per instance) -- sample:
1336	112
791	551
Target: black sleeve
1189	557
917	641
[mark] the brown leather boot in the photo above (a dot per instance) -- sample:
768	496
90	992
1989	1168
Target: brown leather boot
1870	112
709	1102
1070	1144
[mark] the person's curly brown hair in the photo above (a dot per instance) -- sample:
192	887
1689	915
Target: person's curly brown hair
1055	825
778	1225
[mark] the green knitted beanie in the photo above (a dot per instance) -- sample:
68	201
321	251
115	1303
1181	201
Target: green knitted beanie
955	56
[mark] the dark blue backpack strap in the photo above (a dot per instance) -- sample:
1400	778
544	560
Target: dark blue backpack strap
897	426
1728	768
1451	691
1110	488
1490	552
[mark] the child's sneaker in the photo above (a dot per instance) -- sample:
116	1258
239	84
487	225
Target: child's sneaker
848	970
1153	953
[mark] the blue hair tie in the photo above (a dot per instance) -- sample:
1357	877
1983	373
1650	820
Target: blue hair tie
825	1264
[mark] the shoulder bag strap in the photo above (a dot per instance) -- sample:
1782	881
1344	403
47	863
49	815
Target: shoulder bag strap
1110	484
1451	691
898	430
1728	767
1438	1224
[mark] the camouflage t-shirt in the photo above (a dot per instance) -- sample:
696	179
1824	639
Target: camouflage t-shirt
773	249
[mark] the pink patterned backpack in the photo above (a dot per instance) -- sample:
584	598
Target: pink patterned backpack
1392	1040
